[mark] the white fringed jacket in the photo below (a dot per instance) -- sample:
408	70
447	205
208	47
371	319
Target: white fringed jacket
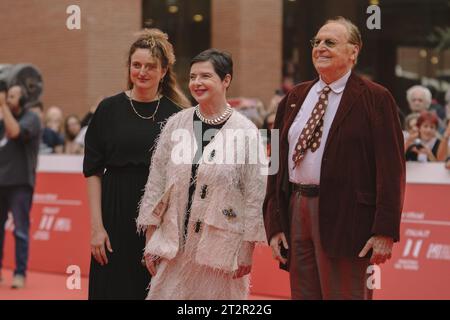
228	197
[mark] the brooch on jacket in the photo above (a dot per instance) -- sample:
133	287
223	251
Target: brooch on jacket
204	191
212	155
229	213
197	226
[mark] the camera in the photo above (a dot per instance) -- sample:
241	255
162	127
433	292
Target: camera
418	144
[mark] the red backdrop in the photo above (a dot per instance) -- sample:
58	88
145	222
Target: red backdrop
60	232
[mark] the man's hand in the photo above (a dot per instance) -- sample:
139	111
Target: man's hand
382	249
276	242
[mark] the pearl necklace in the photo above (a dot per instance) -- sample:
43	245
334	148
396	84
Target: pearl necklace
218	120
152	117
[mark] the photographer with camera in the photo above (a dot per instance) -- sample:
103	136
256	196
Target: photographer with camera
19	144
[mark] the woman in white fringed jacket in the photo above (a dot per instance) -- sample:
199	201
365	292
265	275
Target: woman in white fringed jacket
202	206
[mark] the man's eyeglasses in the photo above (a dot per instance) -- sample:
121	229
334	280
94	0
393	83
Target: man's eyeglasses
328	43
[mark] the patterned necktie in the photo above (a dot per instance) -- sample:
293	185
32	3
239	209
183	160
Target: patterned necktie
312	132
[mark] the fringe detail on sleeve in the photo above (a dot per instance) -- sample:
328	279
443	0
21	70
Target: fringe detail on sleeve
157	180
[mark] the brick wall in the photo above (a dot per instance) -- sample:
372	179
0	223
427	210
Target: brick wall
252	31
77	65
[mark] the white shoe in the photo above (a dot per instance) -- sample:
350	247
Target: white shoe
18	282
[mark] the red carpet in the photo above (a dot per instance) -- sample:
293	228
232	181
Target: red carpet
46	286
41	286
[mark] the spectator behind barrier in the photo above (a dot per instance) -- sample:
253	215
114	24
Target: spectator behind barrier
72	127
51	142
251	108
435	105
419	98
411	131
54	119
443	150
275	101
425	147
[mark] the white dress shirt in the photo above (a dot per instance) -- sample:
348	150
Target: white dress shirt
308	172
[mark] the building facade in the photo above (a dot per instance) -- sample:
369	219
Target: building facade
269	41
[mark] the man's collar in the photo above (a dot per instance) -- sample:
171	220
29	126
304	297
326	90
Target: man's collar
337	86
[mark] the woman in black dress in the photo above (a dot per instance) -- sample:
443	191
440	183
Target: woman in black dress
118	146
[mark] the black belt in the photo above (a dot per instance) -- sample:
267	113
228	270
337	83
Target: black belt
306	190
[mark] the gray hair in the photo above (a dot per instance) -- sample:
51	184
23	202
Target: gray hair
354	35
425	91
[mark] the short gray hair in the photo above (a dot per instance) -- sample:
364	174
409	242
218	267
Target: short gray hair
425	91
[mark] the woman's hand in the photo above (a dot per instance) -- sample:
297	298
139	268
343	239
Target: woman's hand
152	262
242	271
100	239
411	137
428	152
424	150
447	131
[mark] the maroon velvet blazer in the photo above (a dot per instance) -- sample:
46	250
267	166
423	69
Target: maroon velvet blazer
362	178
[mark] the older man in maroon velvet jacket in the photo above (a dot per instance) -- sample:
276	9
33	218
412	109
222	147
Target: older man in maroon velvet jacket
334	206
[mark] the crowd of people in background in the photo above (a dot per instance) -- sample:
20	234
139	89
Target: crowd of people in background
59	134
427	127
